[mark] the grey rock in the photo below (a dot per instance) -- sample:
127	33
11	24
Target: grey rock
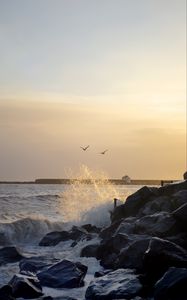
159	224
25	287
172	286
64	274
120	284
9	255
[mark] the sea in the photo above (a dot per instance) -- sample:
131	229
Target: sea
29	211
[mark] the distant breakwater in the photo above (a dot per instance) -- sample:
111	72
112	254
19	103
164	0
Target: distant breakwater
89	181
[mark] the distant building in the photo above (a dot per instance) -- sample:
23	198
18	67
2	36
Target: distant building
126	179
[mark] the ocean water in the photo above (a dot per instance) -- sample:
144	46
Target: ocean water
29	211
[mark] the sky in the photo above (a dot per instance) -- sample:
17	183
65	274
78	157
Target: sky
106	73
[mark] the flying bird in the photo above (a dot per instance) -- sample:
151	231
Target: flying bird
103	152
85	148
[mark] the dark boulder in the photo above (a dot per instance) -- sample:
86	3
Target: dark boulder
77	233
173	188
172	286
89	250
179	198
91	228
6	293
120	284
108	249
108	231
64	274
132	256
159	204
32	265
180	215
54	238
9	255
134	203
161	255
160	224
25	287
102	273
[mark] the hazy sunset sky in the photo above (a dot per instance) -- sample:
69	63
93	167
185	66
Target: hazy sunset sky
106	73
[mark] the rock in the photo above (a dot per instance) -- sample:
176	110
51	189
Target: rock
9	255
6	293
161	255
173	188
79	233
101	273
126	227
132	256
180	198
57	298
108	249
89	251
179	239
185	175
172	286
64	274
25	287
159	224
108	231
91	228
114	285
180	215
160	204
32	265
54	238
134	203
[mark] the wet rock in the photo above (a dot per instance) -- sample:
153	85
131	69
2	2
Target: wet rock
126	227
114	285
102	273
89	251
25	287
57	298
172	286
108	231
54	238
9	255
32	265
78	233
180	215
173	188
180	198
161	255
6	293
132	256
108	249
160	224
91	228
64	274
134	203
160	204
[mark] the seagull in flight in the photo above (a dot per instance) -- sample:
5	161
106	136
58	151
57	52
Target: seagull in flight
103	152
85	148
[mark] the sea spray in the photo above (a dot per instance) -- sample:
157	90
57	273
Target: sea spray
89	202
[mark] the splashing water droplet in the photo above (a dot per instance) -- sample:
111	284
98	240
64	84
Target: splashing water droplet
89	202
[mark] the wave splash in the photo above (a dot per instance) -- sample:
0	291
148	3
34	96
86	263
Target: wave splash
88	203
26	230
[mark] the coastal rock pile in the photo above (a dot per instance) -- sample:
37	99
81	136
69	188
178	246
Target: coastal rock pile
142	253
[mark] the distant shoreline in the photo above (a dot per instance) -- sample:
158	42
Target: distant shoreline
86	181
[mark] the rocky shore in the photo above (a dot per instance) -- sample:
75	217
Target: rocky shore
142	253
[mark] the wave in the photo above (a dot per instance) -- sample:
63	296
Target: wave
38	196
26	230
